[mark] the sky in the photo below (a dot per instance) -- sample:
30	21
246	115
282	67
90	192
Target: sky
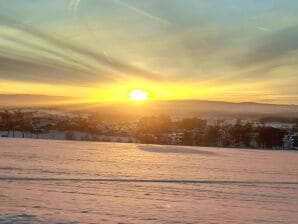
238	51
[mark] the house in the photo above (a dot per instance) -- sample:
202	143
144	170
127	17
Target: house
288	142
280	125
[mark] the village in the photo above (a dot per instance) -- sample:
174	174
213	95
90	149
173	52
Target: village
265	133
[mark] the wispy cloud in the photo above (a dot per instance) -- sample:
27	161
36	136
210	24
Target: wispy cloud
274	46
63	56
265	29
142	12
109	63
73	5
41	71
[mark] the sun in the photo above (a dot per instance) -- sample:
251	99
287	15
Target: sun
138	95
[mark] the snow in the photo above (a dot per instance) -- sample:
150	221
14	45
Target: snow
44	181
62	135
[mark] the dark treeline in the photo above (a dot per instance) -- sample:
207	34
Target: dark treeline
195	131
279	119
29	122
153	130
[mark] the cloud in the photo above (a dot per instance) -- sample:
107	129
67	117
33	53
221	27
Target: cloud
73	5
142	12
275	46
16	69
110	63
68	59
265	29
192	54
33	71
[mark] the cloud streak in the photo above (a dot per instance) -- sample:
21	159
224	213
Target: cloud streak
273	47
62	55
33	71
110	63
142	12
73	5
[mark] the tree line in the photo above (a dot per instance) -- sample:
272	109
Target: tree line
151	129
195	131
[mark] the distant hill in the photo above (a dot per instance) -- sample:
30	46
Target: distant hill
175	108
28	100
227	109
192	108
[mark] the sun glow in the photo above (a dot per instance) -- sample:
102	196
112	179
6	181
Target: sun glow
138	95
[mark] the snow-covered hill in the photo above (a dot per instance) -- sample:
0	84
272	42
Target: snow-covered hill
45	181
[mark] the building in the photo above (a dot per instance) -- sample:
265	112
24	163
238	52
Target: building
288	142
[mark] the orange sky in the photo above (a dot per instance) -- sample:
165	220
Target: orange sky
99	50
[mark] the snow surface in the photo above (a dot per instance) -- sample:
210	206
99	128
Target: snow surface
44	181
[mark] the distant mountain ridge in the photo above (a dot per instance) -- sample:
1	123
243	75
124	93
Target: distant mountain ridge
224	109
178	108
29	100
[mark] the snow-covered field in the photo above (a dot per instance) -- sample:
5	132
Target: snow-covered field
45	181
